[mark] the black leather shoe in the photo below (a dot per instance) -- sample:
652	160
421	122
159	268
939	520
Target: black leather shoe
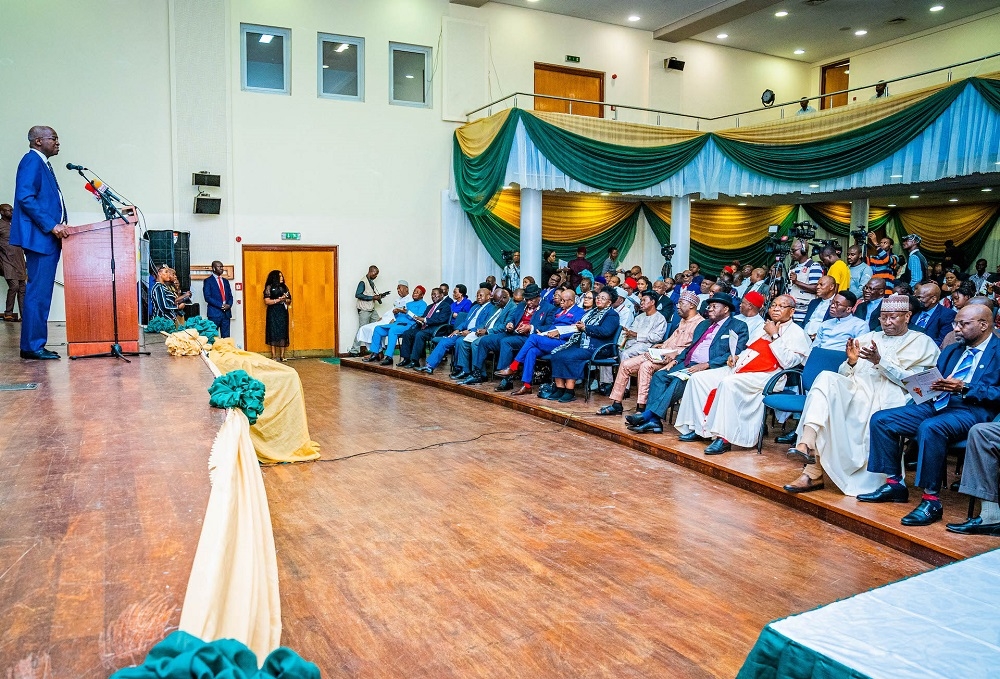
975	526
405	363
506	384
426	369
477	377
887	492
788	439
386	361
461	376
690	436
613	409
648	428
718	447
372	358
604	390
43	355
635	420
926	513
639	407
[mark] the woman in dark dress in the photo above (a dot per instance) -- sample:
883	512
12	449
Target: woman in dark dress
278	299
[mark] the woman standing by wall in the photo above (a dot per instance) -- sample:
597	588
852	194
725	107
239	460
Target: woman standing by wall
278	299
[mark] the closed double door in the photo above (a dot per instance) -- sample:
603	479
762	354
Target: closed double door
311	276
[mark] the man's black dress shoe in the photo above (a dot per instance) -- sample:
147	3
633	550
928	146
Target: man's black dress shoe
636	419
887	492
787	439
371	358
975	526
461	376
506	384
926	513
386	361
42	355
477	377
648	428
426	369
405	363
718	447
604	389
690	436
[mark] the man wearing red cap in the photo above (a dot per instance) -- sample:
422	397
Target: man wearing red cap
750	308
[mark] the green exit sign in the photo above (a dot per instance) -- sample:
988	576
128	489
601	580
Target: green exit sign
571	59
291	235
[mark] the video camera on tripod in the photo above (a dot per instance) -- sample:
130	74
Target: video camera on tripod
667	251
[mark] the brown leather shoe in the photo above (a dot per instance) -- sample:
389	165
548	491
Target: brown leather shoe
525	389
506	372
804	484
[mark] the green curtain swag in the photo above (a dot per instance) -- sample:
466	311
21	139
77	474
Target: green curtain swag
713	259
477	180
973	246
845	153
497	235
840	229
988	90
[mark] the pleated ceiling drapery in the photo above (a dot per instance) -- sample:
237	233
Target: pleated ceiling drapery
969	226
835	218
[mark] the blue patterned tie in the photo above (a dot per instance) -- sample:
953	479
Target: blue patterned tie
923	318
961	373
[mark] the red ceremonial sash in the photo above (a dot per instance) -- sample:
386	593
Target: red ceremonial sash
763	362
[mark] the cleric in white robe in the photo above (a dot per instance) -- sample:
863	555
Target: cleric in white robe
726	403
833	429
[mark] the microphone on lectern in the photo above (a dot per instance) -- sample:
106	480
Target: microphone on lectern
78	168
98	187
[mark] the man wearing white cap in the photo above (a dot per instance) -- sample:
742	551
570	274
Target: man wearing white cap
833	429
366	331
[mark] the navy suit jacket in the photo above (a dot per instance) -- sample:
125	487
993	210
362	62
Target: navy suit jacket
541	318
574	314
939	324
718	351
481	321
984	385
441	315
214	300
811	308
875	323
37	206
506	316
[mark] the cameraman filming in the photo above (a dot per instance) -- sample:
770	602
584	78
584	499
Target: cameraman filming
803	279
511	278
367	296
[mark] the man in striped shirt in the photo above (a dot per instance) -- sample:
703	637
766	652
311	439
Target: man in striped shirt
883	262
803	277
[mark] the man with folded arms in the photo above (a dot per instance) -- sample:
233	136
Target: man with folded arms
644	366
543	341
981	478
970	394
833	429
478	314
841	326
501	310
715	340
726	403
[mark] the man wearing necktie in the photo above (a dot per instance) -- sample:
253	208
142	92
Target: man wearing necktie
218	298
935	320
38	225
969	394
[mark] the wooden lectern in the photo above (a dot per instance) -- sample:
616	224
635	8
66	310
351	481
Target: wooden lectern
87	275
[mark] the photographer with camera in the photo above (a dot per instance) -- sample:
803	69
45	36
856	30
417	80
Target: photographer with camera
367	296
883	262
511	277
802	279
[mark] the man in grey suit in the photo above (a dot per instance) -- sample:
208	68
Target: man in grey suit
981	478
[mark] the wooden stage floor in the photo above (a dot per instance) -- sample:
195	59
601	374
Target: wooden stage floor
459	538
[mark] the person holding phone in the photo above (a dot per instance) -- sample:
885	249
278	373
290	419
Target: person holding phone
278	299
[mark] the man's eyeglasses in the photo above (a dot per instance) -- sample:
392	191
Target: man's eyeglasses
782	306
958	325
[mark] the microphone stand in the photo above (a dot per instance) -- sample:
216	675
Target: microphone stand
111	212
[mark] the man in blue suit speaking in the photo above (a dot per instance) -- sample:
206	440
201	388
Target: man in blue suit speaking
38	224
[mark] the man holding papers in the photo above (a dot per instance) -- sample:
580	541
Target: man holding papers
833	430
969	394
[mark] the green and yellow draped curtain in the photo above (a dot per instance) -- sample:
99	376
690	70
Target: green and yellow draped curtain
621	157
835	218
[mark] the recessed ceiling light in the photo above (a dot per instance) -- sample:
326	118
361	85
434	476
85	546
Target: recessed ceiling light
782	13
814	186
722	36
741	204
892	205
914	196
953	200
937	8
895	176
532	0
266	38
634	17
605	193
800	51
409	77
326	66
343	47
987	190
861	32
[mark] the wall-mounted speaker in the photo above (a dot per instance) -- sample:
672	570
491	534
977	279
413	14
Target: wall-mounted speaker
205	179
673	64
206	205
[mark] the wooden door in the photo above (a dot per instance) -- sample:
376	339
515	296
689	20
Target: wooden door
836	77
574	83
311	276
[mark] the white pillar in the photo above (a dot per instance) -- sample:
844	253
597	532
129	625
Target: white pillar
531	235
680	232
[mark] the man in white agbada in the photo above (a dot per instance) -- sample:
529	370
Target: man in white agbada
833	429
726	403
366	331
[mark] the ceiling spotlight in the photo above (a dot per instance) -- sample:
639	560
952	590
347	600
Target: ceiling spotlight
861	32
605	193
634	17
782	13
343	47
892	205
722	36
953	200
987	190
914	196
326	65
741	204
800	51
937	8
814	186
266	39
895	176
409	77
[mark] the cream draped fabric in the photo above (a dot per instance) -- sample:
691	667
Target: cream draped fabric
233	588
185	343
281	433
